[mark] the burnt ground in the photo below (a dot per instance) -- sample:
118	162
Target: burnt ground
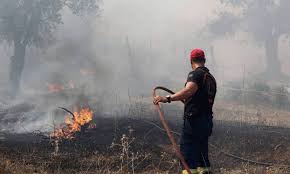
144	148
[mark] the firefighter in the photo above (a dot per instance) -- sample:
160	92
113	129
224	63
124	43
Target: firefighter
199	94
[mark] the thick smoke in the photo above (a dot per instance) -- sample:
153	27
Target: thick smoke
128	49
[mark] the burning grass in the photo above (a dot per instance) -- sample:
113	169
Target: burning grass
74	124
54	87
57	87
133	146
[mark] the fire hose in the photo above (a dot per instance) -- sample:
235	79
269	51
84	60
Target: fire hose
168	131
176	148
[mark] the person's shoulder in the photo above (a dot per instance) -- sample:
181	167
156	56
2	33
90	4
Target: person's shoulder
192	74
196	72
195	75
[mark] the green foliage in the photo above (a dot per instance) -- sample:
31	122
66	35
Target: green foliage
264	20
257	93
260	18
83	7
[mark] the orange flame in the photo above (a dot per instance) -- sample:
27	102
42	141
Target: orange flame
86	72
74	125
54	87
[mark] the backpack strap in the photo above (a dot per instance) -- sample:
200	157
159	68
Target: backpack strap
205	77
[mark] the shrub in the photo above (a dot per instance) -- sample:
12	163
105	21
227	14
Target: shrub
258	93
281	97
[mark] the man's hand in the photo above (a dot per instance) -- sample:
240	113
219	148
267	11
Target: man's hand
159	99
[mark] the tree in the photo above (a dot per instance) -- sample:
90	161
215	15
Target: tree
31	23
263	19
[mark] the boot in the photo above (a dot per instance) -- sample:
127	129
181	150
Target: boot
193	171
203	170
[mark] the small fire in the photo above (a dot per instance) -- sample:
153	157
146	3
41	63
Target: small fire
54	87
86	72
73	125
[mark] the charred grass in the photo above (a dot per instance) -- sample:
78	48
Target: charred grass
127	145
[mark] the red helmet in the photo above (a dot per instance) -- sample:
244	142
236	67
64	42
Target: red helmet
197	54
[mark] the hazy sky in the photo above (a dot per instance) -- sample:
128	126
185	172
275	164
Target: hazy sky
150	18
164	30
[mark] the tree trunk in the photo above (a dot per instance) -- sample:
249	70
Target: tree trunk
16	66
273	67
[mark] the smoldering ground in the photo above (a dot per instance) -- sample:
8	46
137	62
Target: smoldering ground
129	48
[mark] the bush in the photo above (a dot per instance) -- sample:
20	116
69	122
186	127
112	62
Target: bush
281	98
232	92
258	93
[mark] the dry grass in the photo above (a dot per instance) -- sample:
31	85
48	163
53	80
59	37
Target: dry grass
147	150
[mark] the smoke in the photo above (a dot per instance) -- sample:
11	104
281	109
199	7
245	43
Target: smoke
127	50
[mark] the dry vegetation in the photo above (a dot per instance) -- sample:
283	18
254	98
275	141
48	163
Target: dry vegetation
135	144
127	145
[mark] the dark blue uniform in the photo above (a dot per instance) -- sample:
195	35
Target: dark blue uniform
198	119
